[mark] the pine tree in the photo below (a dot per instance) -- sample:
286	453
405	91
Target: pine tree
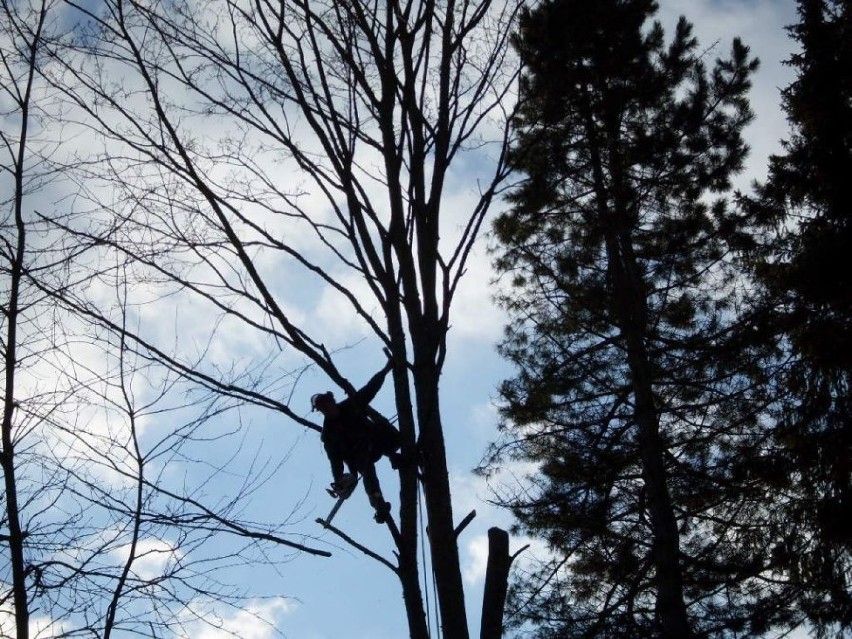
805	307
634	397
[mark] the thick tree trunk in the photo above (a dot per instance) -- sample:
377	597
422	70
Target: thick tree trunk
630	306
670	605
409	570
496	584
412	597
436	483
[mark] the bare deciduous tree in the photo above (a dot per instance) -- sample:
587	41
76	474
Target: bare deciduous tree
94	535
20	42
260	143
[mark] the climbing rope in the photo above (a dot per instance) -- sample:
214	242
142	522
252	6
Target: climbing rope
431	606
435	608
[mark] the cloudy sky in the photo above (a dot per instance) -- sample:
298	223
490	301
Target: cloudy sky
353	595
306	597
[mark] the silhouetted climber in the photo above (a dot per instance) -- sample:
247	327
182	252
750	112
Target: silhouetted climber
351	436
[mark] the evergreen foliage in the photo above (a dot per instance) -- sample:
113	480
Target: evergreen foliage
805	307
640	395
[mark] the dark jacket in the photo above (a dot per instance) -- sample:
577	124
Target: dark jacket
358	435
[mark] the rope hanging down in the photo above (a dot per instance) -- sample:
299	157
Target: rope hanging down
423	537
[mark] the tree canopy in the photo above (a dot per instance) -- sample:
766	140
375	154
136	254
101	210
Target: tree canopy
636	396
803	306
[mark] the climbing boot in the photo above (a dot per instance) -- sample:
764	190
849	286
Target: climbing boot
381	506
382	513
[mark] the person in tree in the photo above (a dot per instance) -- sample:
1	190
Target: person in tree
355	434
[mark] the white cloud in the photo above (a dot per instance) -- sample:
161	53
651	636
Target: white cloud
472	492
483	418
475	317
257	620
335	317
40	625
476	559
475	555
153	557
469	493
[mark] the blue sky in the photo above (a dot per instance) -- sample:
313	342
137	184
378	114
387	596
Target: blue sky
363	597
306	597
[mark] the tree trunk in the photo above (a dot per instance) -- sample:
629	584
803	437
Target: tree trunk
15	538
11	311
630	310
409	570
436	484
496	584
670	605
412	597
